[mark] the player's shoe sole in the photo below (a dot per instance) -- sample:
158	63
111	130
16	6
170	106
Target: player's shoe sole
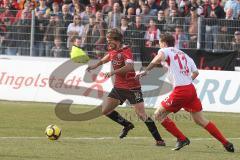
229	147
180	144
125	130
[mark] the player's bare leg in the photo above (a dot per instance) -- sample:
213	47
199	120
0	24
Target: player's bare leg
212	129
108	106
140	111
161	114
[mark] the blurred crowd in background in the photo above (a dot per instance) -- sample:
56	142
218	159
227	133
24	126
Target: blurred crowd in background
47	27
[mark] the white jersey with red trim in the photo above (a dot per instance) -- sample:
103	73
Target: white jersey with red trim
180	66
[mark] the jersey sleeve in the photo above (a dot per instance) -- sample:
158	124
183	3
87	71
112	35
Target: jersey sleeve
164	52
128	56
193	66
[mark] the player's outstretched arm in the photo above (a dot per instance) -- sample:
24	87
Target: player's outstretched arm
104	60
156	60
123	70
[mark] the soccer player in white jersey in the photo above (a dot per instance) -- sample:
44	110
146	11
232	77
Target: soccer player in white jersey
181	71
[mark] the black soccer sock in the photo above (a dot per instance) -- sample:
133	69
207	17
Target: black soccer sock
115	116
153	129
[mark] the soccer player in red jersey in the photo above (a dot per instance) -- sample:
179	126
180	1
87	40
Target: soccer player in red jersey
126	87
181	72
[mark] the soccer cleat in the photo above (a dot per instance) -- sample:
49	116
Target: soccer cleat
160	143
229	147
125	130
180	144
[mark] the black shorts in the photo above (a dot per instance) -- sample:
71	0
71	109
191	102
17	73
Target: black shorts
134	96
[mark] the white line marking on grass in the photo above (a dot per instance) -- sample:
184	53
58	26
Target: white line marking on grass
106	138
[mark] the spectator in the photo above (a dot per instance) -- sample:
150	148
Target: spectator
194	3
236	41
206	5
235	5
152	35
84	2
78	9
66	19
42	8
162	4
171	6
95	6
56	9
3	30
100	21
154	8
99	31
28	8
125	7
21	4
181	39
114	17
184	8
90	36
58	50
12	5
107	7
40	24
141	3
7	30
137	32
213	13
133	3
74	29
102	3
124	26
9	40
192	27
131	14
49	3
72	6
145	14
7	16
86	14
172	21
227	29
1	4
236	46
53	29
66	16
23	34
161	21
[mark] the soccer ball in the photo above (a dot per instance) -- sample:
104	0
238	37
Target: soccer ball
53	132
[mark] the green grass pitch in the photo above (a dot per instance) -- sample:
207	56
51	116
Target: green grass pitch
22	126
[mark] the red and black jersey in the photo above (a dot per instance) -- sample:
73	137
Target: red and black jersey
119	58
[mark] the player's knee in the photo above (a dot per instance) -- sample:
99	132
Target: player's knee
105	112
199	122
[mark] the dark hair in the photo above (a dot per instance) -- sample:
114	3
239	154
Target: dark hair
168	39
74	38
124	17
92	16
115	34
